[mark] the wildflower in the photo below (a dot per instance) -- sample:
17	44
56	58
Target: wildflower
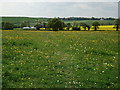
29	78
57	80
42	79
22	78
31	83
103	71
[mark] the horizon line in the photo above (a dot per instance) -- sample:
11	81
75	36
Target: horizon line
53	16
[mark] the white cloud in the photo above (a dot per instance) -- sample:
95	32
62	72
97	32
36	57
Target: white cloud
61	9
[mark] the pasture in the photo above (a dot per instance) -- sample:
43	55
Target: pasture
49	59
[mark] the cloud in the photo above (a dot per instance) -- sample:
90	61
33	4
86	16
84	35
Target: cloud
60	9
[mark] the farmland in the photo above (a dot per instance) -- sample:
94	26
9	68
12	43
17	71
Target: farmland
50	59
101	28
19	20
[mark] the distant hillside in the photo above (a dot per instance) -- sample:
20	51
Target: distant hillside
19	20
89	22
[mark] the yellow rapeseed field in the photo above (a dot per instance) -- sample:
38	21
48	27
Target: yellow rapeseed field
107	27
104	27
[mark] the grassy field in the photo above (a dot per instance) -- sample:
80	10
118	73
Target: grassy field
71	59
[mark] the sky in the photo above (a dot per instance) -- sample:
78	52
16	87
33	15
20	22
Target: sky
59	8
59	0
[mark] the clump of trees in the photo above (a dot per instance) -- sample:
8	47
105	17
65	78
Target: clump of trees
76	26
38	24
85	26
95	25
68	25
56	24
7	26
25	24
44	25
86	18
117	24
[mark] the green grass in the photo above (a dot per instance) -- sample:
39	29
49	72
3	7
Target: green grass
71	59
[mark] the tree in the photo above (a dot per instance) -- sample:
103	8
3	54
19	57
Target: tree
38	24
68	26
76	26
88	26
44	25
7	26
25	24
95	25
83	25
56	24
117	24
17	26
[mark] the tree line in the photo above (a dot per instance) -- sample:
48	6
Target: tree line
57	24
86	18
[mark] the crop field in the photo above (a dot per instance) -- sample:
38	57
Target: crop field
101	28
59	59
89	22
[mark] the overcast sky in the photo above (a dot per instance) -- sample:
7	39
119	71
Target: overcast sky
59	8
59	0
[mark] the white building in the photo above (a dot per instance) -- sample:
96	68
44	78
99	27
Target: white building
28	28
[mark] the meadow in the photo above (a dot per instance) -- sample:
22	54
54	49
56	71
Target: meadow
63	59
